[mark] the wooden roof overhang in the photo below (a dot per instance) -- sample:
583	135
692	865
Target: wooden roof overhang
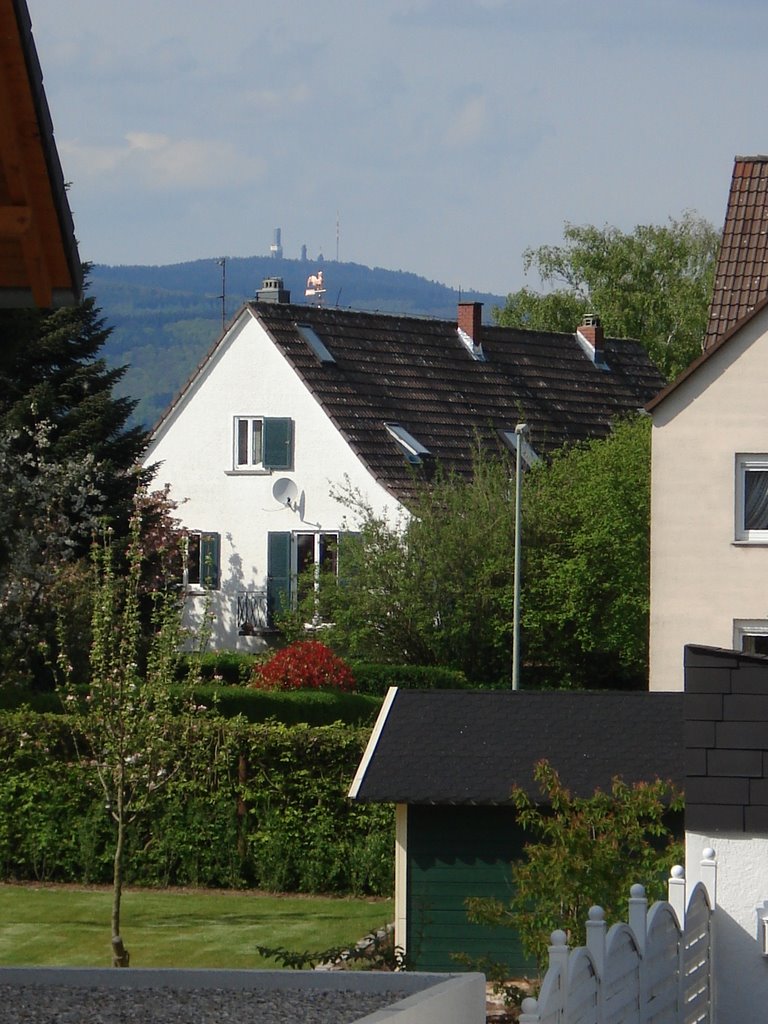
39	262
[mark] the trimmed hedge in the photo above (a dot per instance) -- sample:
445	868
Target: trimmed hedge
378	678
313	707
271	811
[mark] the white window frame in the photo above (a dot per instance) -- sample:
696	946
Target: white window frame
250	465
744	628
746	463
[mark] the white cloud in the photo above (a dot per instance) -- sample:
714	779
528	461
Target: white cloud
156	161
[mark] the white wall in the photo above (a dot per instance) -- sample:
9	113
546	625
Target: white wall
740	971
701	580
248	376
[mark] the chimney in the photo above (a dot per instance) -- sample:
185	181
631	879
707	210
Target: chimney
591	330
272	291
470	317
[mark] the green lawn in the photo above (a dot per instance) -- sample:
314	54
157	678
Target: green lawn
174	928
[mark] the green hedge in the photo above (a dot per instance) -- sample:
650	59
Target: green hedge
377	679
273	814
313	707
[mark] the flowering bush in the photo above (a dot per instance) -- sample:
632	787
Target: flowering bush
306	665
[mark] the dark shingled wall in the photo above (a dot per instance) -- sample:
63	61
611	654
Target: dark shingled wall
726	741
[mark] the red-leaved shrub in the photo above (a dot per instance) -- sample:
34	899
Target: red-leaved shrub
306	665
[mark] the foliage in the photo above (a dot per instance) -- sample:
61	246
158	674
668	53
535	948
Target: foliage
653	284
434	588
226	668
51	370
249	805
584	850
585	582
375	952
50	507
129	723
377	679
306	665
312	707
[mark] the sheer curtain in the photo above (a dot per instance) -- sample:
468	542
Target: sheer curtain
756	499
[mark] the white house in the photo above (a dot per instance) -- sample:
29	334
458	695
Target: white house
295	402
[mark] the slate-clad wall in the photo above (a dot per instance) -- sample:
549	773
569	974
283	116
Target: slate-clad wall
726	741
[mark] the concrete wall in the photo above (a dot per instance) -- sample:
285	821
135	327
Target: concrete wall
249	376
701	578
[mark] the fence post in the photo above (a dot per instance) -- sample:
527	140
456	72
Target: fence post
596	929
530	1011
676	891
709	874
638	915
553	995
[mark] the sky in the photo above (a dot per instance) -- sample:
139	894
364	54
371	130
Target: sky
442	137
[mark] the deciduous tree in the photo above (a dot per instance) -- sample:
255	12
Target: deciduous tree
652	284
584	851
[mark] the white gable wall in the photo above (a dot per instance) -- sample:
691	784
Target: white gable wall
701	578
249	376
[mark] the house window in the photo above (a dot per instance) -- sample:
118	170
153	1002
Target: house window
262	443
752	498
751	636
290	556
201	560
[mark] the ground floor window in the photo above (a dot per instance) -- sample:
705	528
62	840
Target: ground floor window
201	560
751	636
294	562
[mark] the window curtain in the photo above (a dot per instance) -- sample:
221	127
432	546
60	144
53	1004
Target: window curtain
756	500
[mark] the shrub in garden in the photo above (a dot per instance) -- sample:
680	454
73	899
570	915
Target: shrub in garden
306	665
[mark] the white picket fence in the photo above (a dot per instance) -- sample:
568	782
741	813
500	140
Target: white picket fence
652	970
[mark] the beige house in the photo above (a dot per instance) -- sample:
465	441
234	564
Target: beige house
709	504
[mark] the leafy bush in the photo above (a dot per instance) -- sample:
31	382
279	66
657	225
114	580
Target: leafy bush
306	665
231	668
273	814
378	678
312	707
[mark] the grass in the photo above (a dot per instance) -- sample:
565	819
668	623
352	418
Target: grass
69	927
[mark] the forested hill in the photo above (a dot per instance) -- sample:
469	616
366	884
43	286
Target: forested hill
165	319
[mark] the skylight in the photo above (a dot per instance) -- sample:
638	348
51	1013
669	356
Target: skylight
511	439
316	345
414	450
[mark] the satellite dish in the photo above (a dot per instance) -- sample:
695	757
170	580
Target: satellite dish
285	491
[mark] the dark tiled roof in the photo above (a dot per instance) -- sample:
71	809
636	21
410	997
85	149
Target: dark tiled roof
418	373
465	747
741	278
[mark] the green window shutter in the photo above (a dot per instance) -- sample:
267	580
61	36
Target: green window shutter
278	443
278	574
210	544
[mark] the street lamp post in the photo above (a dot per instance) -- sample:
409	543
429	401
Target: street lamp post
520	432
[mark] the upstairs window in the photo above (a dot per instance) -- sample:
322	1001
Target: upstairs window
262	443
752	498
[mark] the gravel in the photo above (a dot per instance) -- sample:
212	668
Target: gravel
69	1004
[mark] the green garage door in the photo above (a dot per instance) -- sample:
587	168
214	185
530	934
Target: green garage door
453	853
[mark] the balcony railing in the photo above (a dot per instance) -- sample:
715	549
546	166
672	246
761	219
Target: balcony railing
252	614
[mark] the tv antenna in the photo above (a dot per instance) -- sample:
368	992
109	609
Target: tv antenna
223	264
